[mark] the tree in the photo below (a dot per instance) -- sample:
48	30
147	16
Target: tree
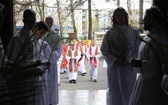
59	17
72	6
141	15
39	5
72	16
90	20
118	2
129	10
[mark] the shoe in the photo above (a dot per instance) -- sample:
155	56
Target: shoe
95	80
70	81
74	81
83	74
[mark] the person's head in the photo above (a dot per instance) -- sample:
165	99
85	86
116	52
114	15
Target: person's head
39	29
93	43
119	17
29	19
49	20
82	43
152	17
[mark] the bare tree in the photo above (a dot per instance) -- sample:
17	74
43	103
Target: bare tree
118	2
141	15
72	16
59	17
129	10
90	20
40	5
72	6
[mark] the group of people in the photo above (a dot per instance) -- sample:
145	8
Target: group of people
127	54
36	56
35	61
76	55
31	58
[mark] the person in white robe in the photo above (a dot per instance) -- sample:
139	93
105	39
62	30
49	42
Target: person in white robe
119	45
53	39
15	52
64	62
41	52
147	90
73	55
93	54
83	59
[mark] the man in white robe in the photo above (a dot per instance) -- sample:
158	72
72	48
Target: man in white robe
73	55
147	90
83	59
15	50
93	54
119	45
51	38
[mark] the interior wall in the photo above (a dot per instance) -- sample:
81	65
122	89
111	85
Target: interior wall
6	30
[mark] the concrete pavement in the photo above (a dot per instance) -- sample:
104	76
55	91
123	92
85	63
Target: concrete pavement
85	92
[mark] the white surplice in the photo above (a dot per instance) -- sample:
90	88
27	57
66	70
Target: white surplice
93	71
73	75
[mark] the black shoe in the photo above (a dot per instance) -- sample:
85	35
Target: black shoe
83	74
70	81
74	81
95	80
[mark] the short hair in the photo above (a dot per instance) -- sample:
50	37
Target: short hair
28	12
41	25
113	20
155	12
49	17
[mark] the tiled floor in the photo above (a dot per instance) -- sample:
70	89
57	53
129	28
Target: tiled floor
83	97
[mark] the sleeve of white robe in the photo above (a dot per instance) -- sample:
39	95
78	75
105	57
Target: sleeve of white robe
136	44
57	51
14	48
46	51
99	53
105	49
148	70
